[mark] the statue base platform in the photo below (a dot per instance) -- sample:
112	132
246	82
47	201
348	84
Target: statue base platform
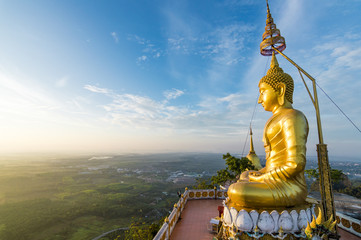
266	223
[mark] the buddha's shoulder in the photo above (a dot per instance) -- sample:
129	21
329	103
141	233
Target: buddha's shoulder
294	114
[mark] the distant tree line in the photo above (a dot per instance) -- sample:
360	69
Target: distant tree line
340	182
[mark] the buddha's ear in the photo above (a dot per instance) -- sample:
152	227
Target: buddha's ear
281	90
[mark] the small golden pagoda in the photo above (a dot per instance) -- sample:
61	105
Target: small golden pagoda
252	156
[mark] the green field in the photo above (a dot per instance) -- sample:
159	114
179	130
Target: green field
82	197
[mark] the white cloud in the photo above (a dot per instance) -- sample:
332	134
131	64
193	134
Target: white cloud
210	117
234	101
142	59
179	44
173	94
115	36
220	50
224	45
148	49
136	38
96	89
230	43
336	62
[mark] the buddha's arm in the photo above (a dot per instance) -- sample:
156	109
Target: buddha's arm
295	131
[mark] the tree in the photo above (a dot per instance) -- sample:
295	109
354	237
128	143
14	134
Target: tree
140	230
339	180
235	166
222	176
337	175
312	173
203	183
352	191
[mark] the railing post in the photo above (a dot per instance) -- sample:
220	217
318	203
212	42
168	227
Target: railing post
166	221
176	211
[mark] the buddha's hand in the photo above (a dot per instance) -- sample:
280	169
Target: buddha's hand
244	176
255	177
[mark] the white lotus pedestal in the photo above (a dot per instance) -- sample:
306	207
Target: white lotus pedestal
287	223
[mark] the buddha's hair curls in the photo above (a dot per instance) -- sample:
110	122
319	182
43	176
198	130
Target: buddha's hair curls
275	75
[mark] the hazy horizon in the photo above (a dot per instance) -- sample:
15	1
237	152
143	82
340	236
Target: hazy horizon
45	156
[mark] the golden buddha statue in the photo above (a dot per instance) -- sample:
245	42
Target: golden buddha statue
281	183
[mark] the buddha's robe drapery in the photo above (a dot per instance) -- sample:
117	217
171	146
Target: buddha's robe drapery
282	183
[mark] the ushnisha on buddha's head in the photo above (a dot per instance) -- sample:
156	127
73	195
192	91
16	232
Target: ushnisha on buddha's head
276	88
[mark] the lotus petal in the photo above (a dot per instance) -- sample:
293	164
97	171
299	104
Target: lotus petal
227	216
254	215
302	219
244	221
309	214
285	221
265	222
275	215
234	214
294	216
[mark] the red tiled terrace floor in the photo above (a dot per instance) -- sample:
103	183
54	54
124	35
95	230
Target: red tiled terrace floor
346	235
195	218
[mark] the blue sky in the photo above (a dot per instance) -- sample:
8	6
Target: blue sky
163	76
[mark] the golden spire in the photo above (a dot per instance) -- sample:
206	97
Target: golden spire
274	62
251	150
252	156
271	37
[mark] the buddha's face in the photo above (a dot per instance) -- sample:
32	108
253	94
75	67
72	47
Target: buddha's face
268	97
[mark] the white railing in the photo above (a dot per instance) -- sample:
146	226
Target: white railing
349	224
166	230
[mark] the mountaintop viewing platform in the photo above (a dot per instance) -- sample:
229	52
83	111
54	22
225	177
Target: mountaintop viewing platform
191	216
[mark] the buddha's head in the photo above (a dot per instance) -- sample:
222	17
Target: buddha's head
276	88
